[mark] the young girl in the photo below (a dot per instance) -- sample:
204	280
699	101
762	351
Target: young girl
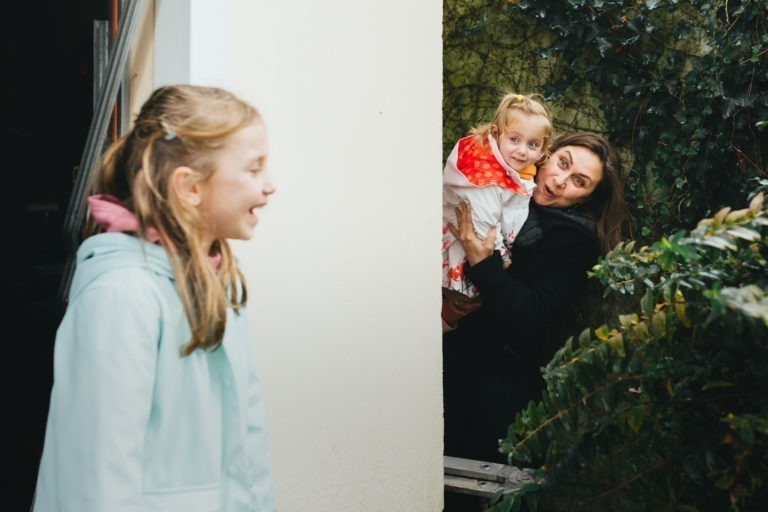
492	169
156	405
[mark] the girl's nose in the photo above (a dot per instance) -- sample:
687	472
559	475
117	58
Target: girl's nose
269	185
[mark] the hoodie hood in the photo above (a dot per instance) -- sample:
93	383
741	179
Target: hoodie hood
532	231
109	251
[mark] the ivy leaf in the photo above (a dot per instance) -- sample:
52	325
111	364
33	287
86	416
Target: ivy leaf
717	242
635	418
647	303
744	233
602	333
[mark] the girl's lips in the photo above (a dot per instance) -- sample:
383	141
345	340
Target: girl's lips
253	209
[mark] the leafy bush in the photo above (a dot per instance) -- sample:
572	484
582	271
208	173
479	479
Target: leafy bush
683	86
666	408
680	86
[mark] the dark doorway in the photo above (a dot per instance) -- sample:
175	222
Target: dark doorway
47	99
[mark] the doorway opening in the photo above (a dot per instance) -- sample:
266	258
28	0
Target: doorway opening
47	99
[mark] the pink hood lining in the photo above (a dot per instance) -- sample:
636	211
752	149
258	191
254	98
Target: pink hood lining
107	211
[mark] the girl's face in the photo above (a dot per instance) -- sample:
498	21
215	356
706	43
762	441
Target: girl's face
568	177
522	144
239	186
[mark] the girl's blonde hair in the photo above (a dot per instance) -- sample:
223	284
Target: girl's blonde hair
181	125
530	104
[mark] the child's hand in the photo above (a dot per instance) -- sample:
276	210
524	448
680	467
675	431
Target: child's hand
475	248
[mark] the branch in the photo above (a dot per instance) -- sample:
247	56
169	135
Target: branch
571	407
621	485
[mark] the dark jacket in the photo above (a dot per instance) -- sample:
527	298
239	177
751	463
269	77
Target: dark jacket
492	360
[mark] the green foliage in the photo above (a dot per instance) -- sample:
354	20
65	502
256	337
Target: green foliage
482	60
681	86
666	407
489	51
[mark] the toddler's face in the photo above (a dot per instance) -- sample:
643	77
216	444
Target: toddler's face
522	144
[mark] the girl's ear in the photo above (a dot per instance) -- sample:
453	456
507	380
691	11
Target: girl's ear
186	183
495	131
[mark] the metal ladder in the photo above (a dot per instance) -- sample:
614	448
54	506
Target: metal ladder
107	84
482	478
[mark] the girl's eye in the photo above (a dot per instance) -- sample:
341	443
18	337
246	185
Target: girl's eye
513	139
534	145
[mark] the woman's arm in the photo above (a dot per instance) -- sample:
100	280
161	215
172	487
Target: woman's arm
547	291
537	302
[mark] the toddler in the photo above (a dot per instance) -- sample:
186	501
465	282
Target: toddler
492	169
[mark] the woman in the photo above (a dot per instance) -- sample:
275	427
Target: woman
494	352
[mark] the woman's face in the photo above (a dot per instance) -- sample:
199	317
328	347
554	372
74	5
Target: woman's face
568	177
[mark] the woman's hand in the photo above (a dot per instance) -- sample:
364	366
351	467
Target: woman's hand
475	248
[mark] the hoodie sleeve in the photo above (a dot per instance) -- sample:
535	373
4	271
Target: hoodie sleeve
106	356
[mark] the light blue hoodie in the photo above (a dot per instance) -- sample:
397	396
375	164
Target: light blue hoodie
132	425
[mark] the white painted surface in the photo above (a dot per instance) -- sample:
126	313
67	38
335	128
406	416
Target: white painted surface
142	59
194	42
343	270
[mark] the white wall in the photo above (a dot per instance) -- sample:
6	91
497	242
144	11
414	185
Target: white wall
343	270
142	59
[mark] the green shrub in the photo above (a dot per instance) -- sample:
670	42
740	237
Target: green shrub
666	407
680	86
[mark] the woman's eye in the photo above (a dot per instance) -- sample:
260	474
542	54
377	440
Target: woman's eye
579	181
563	163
